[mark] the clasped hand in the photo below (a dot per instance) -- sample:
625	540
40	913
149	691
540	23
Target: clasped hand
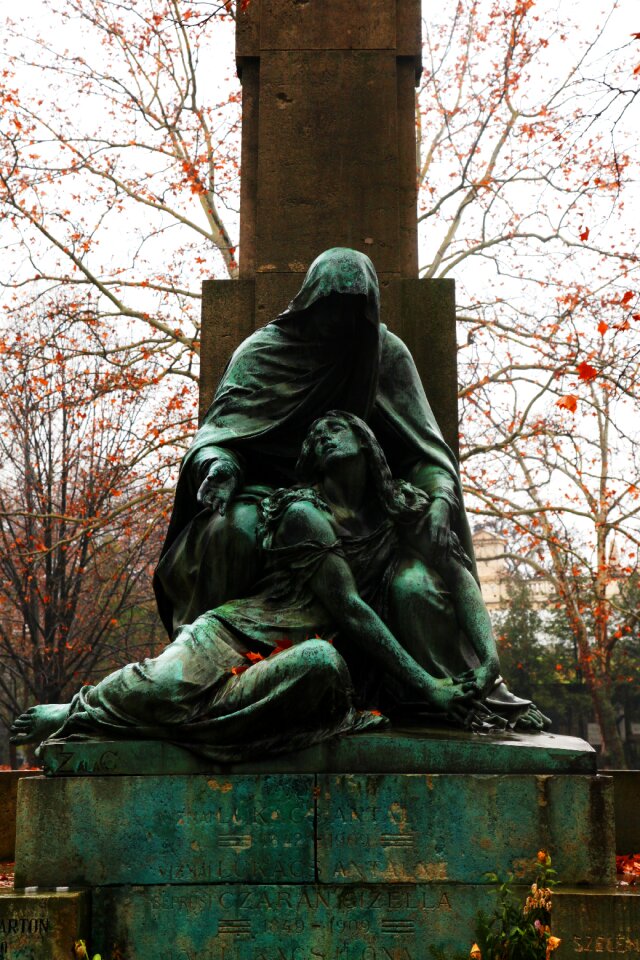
219	487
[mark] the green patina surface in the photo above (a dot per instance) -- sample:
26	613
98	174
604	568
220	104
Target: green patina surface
338	922
438	827
179	830
283	828
306	922
42	925
411	750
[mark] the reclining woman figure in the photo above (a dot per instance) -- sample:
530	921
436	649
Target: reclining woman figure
345	558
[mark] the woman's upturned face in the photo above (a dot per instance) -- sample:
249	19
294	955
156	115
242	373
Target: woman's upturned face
333	440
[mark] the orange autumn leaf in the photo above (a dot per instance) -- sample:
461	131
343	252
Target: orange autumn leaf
602	328
627	297
568	403
586	372
236	671
585	234
253	657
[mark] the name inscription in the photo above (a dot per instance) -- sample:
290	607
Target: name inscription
620	944
24	925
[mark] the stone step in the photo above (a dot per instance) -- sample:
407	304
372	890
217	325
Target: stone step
299	828
42	925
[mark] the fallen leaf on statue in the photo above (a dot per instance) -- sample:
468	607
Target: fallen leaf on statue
236	671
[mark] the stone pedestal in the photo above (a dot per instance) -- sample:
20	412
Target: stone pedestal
329	853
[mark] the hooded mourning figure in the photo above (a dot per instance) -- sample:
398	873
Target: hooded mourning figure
327	350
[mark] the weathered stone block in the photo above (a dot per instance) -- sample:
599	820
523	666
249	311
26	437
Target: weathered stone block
42	925
427	323
437	828
227	318
179	830
626	794
8	791
326	24
307	132
602	922
305	922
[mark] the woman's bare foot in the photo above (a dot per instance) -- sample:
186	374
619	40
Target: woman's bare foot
38	723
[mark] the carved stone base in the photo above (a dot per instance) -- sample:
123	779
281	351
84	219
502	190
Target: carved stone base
296	865
298	828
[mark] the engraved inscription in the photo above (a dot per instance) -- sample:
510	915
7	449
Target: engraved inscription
237	928
205	871
68	761
237	841
310	922
397	839
397	927
24	925
620	944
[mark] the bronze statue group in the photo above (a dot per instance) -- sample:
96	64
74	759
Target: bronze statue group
317	576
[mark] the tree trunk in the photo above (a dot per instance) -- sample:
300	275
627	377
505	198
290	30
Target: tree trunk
612	746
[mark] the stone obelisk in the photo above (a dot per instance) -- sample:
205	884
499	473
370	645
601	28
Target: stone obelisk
329	159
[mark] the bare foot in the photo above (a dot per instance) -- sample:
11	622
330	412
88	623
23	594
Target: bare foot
38	723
